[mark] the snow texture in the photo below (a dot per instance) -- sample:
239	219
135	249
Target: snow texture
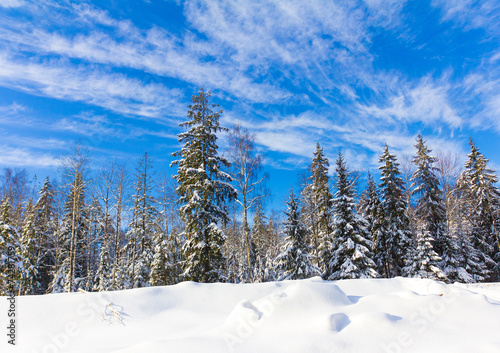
312	315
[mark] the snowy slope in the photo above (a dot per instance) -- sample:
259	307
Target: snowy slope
377	315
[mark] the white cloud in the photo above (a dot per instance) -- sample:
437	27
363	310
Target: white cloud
115	92
472	13
11	3
22	157
428	103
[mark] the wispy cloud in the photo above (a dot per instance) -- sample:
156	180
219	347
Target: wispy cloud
11	3
428	103
116	92
22	157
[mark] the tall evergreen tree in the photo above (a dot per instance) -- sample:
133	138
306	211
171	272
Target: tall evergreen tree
295	259
477	185
11	263
71	262
29	250
349	254
46	231
395	242
371	210
103	275
143	226
424	260
430	209
317	199
203	189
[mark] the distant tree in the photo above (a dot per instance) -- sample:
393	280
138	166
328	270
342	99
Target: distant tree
295	259
371	209
246	167
103	276
430	210
477	186
349	254
143	226
11	263
396	242
317	203
46	221
203	189
424	262
29	251
73	230
119	259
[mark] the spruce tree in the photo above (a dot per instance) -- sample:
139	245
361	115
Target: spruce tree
103	276
29	251
295	259
349	255
317	199
430	210
477	186
395	243
371	210
424	260
204	190
46	231
11	263
261	242
71	260
143	226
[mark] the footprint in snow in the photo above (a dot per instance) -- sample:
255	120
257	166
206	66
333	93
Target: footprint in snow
339	321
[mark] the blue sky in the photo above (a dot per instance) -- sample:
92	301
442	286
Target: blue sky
348	74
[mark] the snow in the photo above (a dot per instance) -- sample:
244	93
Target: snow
363	315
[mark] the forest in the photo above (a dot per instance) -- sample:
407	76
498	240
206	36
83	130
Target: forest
110	229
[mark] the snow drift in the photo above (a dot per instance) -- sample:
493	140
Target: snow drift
372	315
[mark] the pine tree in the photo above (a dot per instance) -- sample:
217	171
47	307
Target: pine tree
295	260
11	263
46	230
349	254
203	189
425	260
103	276
71	264
430	209
317	203
29	250
142	227
395	242
262	243
371	210
477	186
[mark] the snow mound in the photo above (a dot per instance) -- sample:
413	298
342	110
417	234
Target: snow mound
369	315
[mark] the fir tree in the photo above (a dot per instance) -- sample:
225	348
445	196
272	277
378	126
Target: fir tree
103	276
425	260
261	242
71	262
477	186
349	255
394	244
317	203
143	226
29	251
11	263
203	189
371	210
295	260
46	231
430	209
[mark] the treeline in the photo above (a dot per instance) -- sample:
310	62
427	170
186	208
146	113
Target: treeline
111	230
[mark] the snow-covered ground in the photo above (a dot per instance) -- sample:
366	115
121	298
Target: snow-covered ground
375	315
